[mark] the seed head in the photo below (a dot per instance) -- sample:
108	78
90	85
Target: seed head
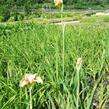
78	64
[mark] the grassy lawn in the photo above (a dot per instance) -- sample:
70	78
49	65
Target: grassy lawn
34	47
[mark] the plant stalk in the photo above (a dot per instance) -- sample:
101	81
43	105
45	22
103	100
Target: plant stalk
30	92
63	41
78	87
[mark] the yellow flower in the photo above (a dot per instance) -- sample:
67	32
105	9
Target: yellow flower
58	3
78	64
30	79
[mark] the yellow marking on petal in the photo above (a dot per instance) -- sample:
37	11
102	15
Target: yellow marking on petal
23	83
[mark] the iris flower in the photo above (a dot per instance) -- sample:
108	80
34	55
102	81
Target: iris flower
30	79
58	3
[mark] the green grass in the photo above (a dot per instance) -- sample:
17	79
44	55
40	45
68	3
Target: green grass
37	48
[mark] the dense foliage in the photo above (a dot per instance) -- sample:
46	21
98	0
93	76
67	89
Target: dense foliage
69	2
43	1
17	9
35	48
51	51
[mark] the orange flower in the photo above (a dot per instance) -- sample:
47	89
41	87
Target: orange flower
58	3
30	79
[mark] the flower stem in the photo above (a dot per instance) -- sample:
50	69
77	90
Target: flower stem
30	92
78	87
63	40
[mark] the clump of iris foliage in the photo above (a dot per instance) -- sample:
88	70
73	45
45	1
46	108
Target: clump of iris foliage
37	48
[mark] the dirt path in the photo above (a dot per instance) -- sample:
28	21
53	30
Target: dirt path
65	22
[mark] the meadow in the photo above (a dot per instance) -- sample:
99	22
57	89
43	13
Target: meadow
36	47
